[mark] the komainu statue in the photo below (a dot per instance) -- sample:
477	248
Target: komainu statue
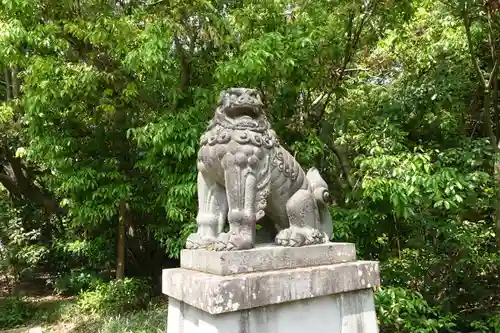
244	174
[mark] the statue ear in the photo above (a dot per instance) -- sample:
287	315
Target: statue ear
222	94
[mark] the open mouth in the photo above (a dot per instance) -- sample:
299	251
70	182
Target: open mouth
242	111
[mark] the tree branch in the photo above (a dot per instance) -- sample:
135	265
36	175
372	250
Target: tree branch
15	163
21	187
343	161
10	185
352	43
491	8
493	73
471	50
356	70
491	34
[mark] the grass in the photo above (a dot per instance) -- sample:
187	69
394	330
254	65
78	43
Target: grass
150	320
62	315
111	308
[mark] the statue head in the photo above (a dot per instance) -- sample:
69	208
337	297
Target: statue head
238	103
240	108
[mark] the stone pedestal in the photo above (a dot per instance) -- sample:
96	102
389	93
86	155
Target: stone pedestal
271	289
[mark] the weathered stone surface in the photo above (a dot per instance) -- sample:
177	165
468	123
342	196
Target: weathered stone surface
266	258
351	312
221	294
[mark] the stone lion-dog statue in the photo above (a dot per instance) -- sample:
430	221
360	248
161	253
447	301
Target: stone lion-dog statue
245	174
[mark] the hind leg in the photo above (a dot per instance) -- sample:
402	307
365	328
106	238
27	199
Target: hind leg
212	213
303	216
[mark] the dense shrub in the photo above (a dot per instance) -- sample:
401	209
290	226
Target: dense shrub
117	296
20	248
14	311
490	324
403	311
75	281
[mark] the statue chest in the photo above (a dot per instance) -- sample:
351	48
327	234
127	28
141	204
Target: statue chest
222	149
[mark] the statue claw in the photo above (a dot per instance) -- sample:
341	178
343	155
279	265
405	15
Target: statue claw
296	236
196	241
233	241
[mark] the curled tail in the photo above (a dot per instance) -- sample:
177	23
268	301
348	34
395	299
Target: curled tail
321	194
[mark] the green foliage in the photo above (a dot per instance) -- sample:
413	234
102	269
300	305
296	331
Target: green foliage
88	253
14	312
402	311
115	297
384	97
489	325
21	250
151	320
63	314
76	281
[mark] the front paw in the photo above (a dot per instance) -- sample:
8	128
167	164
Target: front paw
197	241
290	237
295	236
234	241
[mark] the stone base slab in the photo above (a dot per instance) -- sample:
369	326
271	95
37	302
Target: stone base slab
350	312
266	258
217	294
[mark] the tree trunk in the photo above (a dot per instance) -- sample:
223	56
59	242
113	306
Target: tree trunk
8	94
490	93
15	83
121	247
496	168
497	201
